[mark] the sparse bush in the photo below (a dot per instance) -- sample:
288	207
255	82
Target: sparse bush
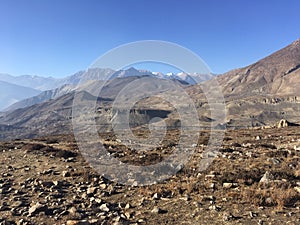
297	173
279	195
33	147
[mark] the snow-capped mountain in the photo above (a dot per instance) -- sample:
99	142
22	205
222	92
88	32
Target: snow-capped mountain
55	87
190	78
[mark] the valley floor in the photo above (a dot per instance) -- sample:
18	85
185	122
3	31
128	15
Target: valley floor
255	179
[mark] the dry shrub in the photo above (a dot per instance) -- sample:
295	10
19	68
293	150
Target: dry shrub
32	147
297	173
149	191
172	188
286	198
271	195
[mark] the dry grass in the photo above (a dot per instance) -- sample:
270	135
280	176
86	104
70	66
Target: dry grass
271	195
297	173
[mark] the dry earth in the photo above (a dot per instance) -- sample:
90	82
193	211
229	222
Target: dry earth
255	179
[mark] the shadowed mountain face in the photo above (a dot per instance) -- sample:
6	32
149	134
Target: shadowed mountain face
260	94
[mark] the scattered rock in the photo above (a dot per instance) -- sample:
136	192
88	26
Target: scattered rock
284	123
296	147
37	208
267	178
274	161
104	207
158	210
227	216
156	196
127	206
77	222
227	185
103	186
297	189
66	173
91	191
72	210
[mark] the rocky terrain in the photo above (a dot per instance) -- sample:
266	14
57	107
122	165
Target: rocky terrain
275	75
260	94
255	179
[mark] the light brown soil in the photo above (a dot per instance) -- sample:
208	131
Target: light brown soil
228	192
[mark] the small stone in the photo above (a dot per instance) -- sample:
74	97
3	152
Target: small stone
214	207
70	159
66	173
127	206
186	198
157	210
94	221
84	195
21	222
210	176
227	216
156	196
267	178
45	172
18	204
98	200
212	185
103	186
104	207
297	189
120	222
128	215
78	222
274	161
252	214
227	185
269	201
297	148
56	183
37	208
260	222
72	210
91	191
209	198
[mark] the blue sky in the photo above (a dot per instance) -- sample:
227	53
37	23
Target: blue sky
60	37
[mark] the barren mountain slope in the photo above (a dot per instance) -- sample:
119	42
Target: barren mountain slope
277	74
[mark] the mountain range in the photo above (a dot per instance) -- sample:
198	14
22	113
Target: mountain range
12	93
50	88
257	95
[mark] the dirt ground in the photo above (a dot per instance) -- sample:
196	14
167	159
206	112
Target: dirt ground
255	179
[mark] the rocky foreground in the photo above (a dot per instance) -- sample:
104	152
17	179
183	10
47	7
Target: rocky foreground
255	179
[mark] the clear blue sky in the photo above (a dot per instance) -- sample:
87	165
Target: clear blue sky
60	37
